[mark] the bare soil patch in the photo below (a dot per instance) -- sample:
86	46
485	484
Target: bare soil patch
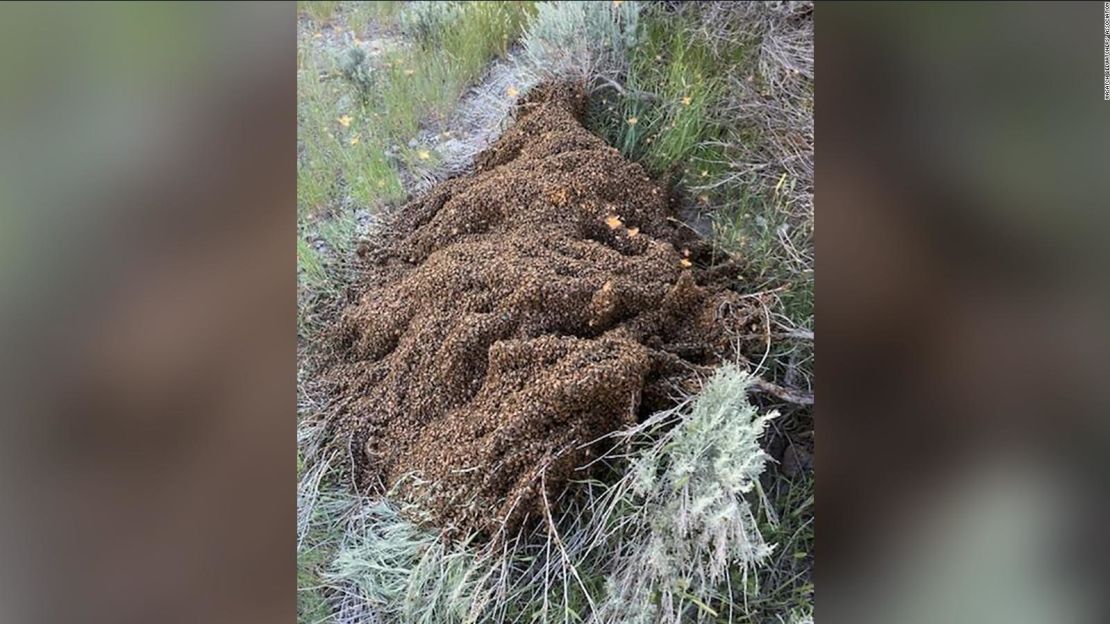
518	313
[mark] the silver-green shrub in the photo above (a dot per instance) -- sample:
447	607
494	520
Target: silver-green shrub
691	493
426	22
581	39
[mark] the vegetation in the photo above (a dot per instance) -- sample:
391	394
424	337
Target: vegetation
713	98
658	543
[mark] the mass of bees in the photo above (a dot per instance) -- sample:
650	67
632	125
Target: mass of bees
517	313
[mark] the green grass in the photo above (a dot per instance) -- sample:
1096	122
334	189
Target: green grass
784	587
315	551
310	267
318	11
663	117
762	229
362	13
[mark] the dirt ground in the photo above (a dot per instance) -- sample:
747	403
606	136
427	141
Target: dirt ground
516	314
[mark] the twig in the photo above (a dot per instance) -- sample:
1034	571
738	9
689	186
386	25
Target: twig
786	394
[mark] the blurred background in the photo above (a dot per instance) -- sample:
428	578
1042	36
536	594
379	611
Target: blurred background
961	192
148	312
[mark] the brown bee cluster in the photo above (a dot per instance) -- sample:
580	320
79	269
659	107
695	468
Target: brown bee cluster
516	315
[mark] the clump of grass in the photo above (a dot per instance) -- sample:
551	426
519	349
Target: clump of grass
316	103
661	113
482	31
309	265
319	11
404	573
320	530
362	13
782	589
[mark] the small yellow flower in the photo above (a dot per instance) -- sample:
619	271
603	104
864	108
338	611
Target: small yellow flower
704	173
355	139
686	100
423	155
685	263
632	121
512	92
345	121
613	221
381	183
633	231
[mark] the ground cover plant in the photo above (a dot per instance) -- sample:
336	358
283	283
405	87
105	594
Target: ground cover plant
694	506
